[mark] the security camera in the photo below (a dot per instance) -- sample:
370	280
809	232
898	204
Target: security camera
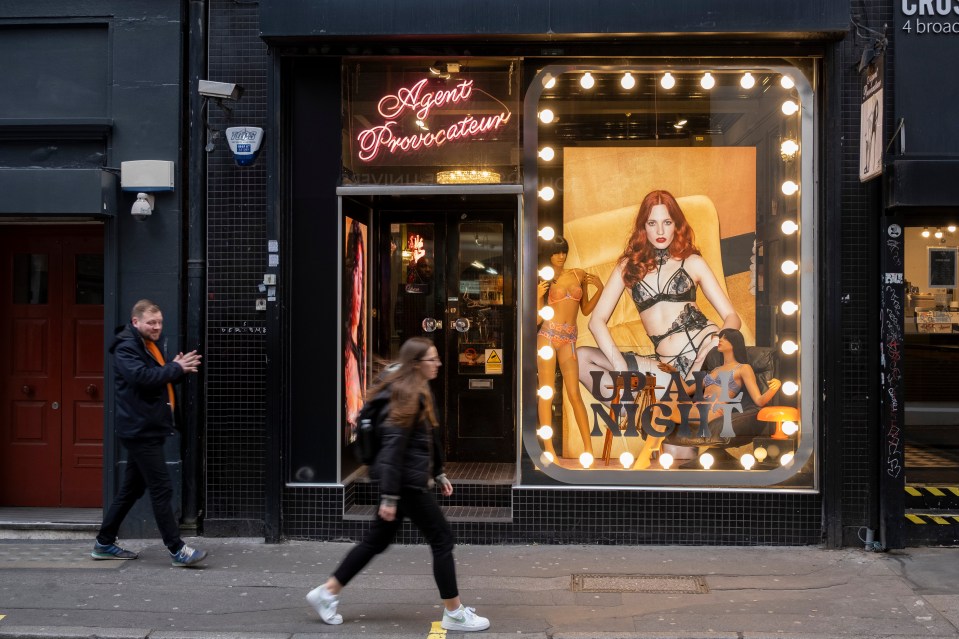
220	90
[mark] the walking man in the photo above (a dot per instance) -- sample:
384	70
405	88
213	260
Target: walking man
144	419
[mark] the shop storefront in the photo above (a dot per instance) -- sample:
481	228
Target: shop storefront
427	186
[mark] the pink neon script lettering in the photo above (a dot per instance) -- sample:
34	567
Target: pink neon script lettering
377	138
392	106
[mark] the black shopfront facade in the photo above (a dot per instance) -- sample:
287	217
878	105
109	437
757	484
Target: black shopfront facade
413	181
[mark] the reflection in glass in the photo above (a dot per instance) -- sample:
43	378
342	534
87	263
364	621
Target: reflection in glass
89	284
31	273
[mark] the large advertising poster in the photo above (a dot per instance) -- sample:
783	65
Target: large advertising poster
711	284
355	323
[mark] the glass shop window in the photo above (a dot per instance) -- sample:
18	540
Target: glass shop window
670	202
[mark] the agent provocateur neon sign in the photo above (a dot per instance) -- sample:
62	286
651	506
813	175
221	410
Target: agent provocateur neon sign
417	99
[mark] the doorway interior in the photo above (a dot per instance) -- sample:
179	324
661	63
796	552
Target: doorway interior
444	267
931	360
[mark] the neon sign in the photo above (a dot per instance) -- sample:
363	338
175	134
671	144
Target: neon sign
416	99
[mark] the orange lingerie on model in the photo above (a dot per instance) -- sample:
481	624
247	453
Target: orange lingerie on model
574	293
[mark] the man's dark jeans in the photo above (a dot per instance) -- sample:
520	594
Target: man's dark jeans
146	471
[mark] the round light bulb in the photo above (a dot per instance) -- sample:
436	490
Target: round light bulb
789	347
546	458
587	81
668	81
789	187
789	227
546	352
666	460
789	388
626	459
547	233
546	154
708	81
925	232
544	431
546	116
790	428
747	81
760	454
546	193
790	107
549	82
788	148
748	461
951	228
786	82
785	459
789	267
938	234
545	392
706	460
628	81
586	460
788	307
547	312
547	272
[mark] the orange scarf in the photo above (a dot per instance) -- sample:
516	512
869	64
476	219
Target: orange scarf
158	356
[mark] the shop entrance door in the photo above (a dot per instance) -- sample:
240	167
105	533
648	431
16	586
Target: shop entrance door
51	371
449	274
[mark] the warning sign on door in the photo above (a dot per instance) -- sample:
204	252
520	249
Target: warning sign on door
494	361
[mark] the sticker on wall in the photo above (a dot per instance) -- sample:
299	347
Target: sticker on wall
494	361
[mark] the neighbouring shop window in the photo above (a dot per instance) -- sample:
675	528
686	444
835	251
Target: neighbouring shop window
429	121
674	290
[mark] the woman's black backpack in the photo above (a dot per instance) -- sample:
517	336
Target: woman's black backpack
369	427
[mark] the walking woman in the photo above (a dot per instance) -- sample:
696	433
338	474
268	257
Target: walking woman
411	455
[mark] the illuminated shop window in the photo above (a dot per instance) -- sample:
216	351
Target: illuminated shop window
694	357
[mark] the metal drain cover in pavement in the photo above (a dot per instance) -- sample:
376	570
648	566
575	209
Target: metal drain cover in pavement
665	584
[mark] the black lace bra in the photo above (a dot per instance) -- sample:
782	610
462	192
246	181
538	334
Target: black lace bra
679	288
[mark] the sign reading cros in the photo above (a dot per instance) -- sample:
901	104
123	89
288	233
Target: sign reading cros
411	121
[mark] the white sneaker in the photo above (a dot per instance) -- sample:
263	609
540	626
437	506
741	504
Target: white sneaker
325	602
464	619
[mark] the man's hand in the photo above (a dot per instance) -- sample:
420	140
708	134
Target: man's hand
387	509
189	362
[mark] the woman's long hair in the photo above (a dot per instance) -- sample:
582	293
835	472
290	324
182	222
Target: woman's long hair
735	337
409	388
639	257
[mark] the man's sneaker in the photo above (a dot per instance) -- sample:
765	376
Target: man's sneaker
111	551
464	619
188	556
325	602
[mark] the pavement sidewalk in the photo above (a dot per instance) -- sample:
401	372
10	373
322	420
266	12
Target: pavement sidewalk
252	590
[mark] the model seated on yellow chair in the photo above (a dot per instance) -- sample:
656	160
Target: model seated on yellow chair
661	268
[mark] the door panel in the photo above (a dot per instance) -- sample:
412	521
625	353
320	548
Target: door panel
51	322
82	378
30	444
447	274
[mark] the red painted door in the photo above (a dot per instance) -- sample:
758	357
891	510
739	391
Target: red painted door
51	393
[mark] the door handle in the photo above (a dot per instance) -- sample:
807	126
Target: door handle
27	390
430	324
91	390
461	324
55	405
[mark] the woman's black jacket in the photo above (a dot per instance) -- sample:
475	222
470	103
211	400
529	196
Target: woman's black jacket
142	403
409	457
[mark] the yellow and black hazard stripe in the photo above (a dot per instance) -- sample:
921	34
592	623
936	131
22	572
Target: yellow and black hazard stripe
917	490
924	519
